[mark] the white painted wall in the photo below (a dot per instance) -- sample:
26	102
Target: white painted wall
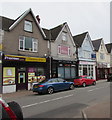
85	51
68	43
9	88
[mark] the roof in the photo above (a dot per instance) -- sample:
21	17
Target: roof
5	23
96	44
78	39
53	33
47	33
109	47
9	24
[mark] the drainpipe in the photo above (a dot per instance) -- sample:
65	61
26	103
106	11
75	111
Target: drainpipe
77	63
50	59
1	56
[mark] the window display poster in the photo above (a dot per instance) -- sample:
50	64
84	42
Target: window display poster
31	76
8	75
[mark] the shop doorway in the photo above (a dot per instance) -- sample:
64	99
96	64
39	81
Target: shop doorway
21	81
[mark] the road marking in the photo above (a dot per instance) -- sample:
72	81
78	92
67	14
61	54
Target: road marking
95	89
47	101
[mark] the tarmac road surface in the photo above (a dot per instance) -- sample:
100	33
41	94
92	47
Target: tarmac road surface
64	104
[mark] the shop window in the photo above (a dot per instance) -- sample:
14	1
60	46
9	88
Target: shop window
37	74
88	70
61	72
67	72
80	70
40	71
85	70
91	70
73	72
8	75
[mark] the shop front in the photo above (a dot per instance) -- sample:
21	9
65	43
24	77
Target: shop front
103	69
64	69
87	68
20	71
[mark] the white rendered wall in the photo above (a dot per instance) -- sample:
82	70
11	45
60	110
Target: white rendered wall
9	88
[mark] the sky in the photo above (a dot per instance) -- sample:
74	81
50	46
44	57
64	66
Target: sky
92	16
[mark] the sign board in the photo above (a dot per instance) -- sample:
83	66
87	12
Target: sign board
24	58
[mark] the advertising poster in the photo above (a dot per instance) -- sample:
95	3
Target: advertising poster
30	76
8	75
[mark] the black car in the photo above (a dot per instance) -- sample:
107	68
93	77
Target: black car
109	77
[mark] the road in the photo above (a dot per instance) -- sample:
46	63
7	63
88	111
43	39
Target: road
64	104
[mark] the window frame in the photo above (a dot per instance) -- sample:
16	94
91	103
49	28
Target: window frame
64	36
34	41
26	27
102	56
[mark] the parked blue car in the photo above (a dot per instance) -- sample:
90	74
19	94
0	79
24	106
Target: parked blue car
52	85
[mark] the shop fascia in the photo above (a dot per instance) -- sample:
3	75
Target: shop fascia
87	63
103	65
24	58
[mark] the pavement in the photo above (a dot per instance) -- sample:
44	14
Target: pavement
98	111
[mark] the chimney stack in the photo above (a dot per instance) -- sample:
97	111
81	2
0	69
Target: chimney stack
38	19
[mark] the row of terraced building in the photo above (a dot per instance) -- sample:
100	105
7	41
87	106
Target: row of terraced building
30	51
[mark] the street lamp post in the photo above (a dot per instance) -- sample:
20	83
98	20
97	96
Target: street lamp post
50	61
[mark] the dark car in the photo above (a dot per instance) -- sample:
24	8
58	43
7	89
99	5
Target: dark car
10	111
84	80
109	77
52	85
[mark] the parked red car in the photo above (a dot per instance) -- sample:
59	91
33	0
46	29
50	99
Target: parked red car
84	80
10	111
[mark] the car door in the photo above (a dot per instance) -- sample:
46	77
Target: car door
55	84
86	80
89	80
63	84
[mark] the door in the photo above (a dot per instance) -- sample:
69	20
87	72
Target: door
21	82
63	85
89	79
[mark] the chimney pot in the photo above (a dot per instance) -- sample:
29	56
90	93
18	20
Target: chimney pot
38	19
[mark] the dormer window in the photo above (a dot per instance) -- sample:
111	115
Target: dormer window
64	36
102	56
101	46
28	26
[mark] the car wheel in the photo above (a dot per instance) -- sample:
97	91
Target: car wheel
94	83
16	109
84	84
50	90
72	87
